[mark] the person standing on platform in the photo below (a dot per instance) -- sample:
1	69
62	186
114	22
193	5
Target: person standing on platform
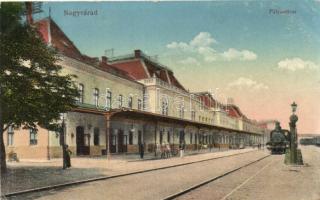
68	157
141	149
168	150
182	147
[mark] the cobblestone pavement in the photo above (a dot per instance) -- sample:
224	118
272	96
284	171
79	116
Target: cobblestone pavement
151	185
32	174
268	179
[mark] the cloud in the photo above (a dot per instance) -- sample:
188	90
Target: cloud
203	39
190	61
178	45
201	45
234	54
295	64
208	53
246	83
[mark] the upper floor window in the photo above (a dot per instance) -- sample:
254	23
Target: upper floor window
81	93
165	107
96	96
120	101
145	105
108	100
10	135
139	104
33	137
130	102
181	111
193	115
96	136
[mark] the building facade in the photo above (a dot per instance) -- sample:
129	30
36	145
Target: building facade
129	100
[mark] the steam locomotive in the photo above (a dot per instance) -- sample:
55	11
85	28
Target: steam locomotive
279	140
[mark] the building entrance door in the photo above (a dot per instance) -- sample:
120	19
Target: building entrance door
82	149
181	137
139	137
122	142
113	143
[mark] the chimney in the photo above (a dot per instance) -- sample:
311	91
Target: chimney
104	59
137	53
29	12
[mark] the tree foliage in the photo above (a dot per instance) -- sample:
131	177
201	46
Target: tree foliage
33	90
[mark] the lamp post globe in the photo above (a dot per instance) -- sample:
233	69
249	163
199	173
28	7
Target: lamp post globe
294	107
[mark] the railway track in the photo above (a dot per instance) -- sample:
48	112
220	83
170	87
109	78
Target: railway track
65	185
212	179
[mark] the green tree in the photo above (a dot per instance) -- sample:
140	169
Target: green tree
32	90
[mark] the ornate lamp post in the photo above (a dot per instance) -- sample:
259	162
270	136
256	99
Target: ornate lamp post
293	143
295	153
62	135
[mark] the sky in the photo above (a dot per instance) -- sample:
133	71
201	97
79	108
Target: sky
263	54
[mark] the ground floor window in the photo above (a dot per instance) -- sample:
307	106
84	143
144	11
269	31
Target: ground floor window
114	140
161	137
10	136
60	138
96	136
168	137
196	138
130	137
33	137
181	137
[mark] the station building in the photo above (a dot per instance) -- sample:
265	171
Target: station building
128	100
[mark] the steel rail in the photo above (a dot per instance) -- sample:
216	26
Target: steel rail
63	185
173	196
